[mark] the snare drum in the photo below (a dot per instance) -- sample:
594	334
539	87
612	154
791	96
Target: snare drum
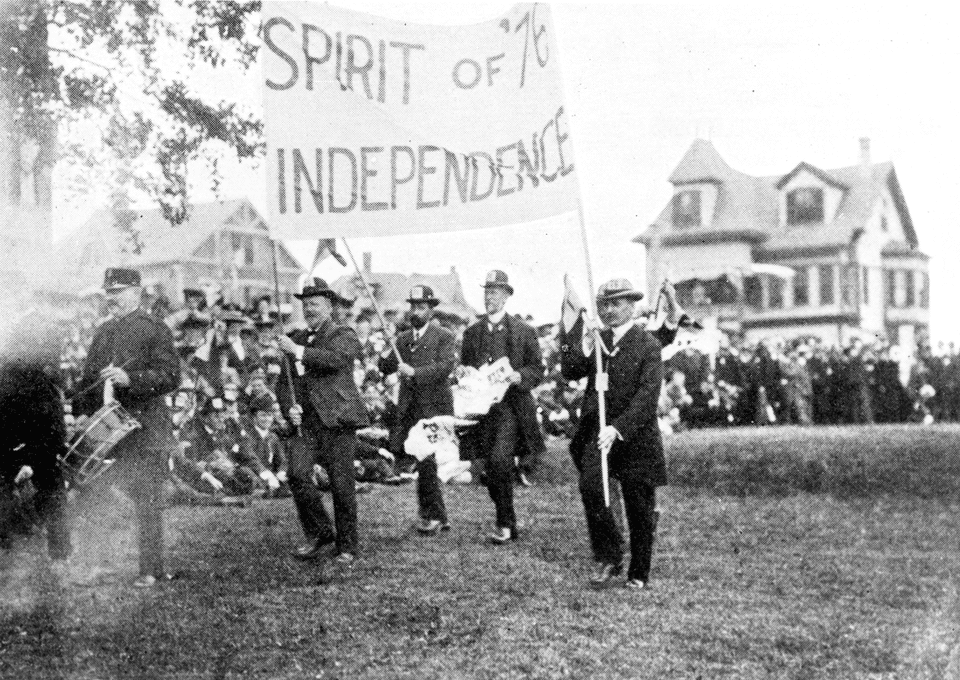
88	456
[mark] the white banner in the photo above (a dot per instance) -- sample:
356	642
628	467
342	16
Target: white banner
378	127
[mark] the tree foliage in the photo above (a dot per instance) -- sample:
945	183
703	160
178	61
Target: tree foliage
112	79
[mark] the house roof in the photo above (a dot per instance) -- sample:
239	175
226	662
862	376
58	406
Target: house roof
750	205
78	258
393	289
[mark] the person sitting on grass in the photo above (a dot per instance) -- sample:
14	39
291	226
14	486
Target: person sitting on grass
265	445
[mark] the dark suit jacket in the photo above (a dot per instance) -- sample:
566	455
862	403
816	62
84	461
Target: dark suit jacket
143	346
527	359
427	393
327	383
635	373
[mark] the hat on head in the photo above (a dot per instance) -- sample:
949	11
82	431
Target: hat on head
618	289
262	402
195	321
194	292
116	278
498	279
233	316
317	287
266	320
211	405
423	294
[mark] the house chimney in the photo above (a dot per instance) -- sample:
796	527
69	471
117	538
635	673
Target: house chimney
865	155
368	262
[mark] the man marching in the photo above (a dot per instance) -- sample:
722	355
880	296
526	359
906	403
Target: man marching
630	437
510	428
329	411
426	361
133	355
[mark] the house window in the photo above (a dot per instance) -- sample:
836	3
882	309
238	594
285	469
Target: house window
242	249
752	291
686	209
924	289
826	284
891	288
775	288
801	287
908	284
866	286
883	223
851	281
805	205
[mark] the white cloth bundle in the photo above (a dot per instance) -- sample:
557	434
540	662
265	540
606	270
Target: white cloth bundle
478	389
437	436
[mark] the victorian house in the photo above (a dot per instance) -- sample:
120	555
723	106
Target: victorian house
813	252
223	248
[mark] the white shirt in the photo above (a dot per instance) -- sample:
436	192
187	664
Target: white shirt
620	331
418	333
495	319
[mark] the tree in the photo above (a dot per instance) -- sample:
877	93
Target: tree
113	78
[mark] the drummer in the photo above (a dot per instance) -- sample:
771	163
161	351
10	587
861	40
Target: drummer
132	360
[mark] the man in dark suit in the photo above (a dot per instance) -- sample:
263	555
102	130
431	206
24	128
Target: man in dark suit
510	428
330	411
630	437
133	352
426	361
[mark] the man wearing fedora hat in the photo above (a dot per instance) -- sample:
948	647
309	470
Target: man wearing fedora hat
510	428
426	361
133	356
630	437
330	410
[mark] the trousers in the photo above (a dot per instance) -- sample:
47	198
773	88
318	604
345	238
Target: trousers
334	449
500	432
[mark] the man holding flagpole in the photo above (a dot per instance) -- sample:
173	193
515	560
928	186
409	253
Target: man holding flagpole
630	439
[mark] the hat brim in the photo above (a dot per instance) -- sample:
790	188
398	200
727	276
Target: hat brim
632	295
329	294
119	286
506	286
433	302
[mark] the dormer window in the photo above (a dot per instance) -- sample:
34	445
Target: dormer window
805	205
686	209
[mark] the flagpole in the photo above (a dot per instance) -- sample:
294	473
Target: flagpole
600	382
373	301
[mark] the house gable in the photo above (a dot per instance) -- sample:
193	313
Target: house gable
807	183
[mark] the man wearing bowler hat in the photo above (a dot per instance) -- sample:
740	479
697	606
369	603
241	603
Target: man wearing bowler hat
132	360
630	437
426	361
329	411
510	428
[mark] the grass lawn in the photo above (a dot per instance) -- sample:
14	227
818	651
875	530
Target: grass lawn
803	586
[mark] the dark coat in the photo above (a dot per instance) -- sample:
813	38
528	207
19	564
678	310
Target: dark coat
635	373
327	382
427	393
143	346
527	359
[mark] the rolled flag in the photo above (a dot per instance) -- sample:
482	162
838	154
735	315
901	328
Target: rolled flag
327	247
571	315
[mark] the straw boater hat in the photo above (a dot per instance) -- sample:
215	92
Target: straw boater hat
423	294
317	287
498	279
618	289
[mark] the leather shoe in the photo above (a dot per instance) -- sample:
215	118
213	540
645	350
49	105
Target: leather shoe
636	584
429	526
606	572
312	549
502	535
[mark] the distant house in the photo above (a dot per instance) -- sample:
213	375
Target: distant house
813	252
391	291
223	248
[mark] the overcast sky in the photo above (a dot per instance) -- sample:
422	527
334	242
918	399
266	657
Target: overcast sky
769	84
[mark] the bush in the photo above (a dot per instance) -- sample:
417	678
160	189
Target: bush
851	461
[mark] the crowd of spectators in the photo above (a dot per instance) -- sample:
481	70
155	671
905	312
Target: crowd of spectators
230	409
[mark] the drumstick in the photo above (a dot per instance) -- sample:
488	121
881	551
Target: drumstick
98	381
